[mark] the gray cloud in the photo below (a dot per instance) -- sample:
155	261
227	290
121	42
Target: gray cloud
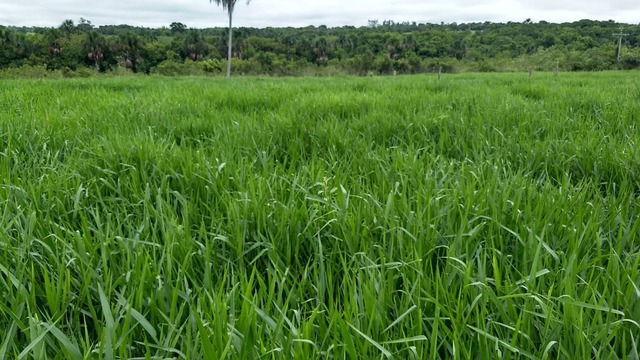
261	13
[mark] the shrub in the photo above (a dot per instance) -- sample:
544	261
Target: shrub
213	66
174	68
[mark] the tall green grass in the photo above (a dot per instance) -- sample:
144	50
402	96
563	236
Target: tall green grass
483	216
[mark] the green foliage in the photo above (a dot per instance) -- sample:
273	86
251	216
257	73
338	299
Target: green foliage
361	64
479	216
187	68
631	58
382	49
128	47
177	28
95	46
195	48
213	66
383	65
41	72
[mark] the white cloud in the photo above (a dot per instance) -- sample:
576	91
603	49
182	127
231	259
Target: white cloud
262	13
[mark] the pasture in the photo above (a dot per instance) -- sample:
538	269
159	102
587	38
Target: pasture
482	216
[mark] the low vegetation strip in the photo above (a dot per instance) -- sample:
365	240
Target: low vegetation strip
480	216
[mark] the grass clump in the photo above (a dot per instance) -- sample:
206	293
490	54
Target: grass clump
489	216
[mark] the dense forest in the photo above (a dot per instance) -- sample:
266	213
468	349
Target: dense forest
380	48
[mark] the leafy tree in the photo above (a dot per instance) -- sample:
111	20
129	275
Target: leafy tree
7	46
458	48
631	59
84	25
383	64
255	45
361	64
177	28
387	47
228	6
67	28
266	60
347	44
154	53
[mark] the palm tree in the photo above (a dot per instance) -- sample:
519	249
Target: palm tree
228	6
130	45
194	45
393	46
54	38
322	49
67	27
94	44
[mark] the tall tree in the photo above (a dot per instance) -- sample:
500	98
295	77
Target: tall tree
322	48
177	28
194	45
130	45
67	27
54	39
228	6
7	46
94	44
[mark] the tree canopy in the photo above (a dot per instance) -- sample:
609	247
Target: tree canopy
380	48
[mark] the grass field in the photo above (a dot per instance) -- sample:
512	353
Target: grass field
480	217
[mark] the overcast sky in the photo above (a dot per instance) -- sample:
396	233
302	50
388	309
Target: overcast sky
298	13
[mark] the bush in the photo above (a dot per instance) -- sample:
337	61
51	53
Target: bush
212	66
26	72
79	73
630	59
174	68
383	65
415	63
447	65
41	72
360	64
246	67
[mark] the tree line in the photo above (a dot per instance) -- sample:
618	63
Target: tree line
382	48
